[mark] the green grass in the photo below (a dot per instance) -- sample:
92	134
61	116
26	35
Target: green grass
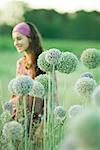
64	45
66	92
7	71
74	46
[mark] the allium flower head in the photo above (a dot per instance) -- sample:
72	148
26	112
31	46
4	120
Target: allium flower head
86	128
75	110
52	56
96	96
87	74
5	117
69	143
67	63
85	86
13	131
43	64
8	106
37	89
43	79
60	112
23	85
91	58
10	86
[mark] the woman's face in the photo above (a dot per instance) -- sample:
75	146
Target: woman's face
21	42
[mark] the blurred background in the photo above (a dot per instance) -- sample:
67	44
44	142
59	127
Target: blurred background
67	25
63	19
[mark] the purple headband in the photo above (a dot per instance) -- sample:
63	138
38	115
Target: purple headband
23	28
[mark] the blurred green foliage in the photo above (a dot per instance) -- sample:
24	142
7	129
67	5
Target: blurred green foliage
51	24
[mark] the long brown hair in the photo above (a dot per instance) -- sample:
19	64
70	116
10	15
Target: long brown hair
35	36
36	44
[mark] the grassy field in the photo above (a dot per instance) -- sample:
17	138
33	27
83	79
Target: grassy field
67	95
65	45
66	92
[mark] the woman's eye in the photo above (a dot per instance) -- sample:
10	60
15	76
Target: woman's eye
18	38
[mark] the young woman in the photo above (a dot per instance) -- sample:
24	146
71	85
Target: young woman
27	40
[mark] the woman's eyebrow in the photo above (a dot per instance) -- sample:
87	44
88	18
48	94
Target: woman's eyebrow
17	37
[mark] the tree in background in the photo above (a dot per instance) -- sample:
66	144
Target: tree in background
78	25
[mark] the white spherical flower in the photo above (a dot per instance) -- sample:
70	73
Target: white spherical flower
96	96
10	86
91	58
60	112
86	129
87	74
75	110
13	131
69	143
44	79
37	89
43	64
5	117
53	55
85	86
23	85
67	63
8	106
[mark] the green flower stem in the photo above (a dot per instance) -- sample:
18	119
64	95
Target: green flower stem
52	106
86	101
49	97
10	145
30	130
17	107
44	129
26	124
61	133
1	93
48	110
53	89
65	87
50	119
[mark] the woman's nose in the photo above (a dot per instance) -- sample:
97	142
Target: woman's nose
15	43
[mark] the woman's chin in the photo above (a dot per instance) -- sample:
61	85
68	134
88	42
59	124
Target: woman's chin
20	50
